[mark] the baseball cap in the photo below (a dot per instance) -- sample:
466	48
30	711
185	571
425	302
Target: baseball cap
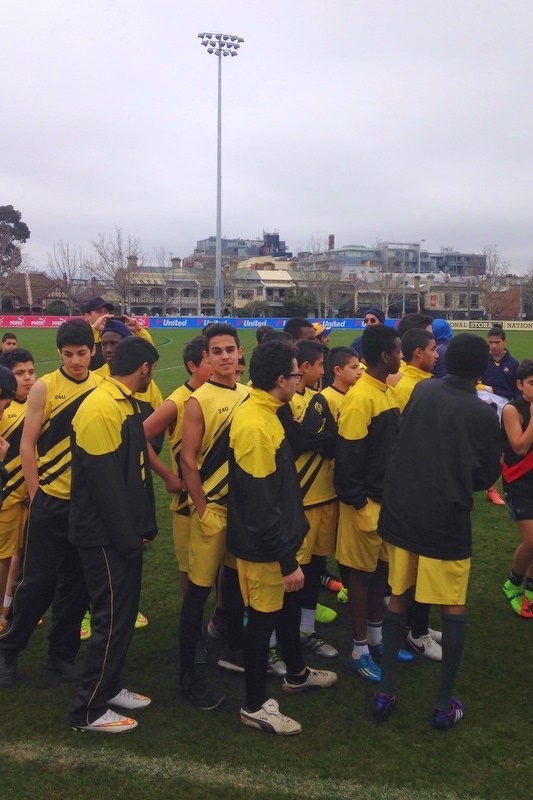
96	302
8	382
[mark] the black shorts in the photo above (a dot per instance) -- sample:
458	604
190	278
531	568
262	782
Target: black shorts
519	496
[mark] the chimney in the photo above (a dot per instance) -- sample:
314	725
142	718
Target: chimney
331	241
132	263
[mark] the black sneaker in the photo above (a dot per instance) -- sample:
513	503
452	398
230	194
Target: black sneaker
232	661
8	673
56	670
199	693
201	656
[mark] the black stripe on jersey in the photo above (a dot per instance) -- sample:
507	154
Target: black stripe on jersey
58	426
54	475
223	484
218	454
13	486
309	480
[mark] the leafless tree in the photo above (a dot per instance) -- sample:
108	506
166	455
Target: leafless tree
69	265
491	282
111	267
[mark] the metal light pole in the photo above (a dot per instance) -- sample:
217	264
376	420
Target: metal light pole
220	44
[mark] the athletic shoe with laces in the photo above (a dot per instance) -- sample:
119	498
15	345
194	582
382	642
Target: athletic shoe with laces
403	655
129	700
323	614
315	644
425	646
517	599
342	596
493	496
316	679
232	661
217	630
366	667
8	673
331	583
199	693
85	629
382	706
270	720
141	621
110	722
444	720
276	664
436	635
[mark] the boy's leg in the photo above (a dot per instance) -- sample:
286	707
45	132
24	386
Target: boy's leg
453	640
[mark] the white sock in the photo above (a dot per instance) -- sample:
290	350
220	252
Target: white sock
7	601
359	649
307	620
374	633
273	639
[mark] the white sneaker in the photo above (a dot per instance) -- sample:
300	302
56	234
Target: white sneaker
276	664
110	722
437	635
129	700
425	646
270	720
317	679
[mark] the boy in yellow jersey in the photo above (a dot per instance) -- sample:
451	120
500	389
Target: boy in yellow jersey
169	417
266	526
368	425
51	569
204	464
14	511
112	512
419	352
315	473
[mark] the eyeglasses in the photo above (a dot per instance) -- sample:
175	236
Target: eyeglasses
297	375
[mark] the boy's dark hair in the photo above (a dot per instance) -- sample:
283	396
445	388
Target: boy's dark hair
275	334
294	325
269	361
377	339
76	332
16	356
130	353
497	330
221	329
194	351
525	369
309	350
260	332
412	339
9	335
338	357
410	321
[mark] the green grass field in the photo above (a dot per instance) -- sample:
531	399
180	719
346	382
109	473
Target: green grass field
341	755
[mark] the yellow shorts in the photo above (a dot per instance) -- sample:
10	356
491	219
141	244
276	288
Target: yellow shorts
181	535
359	545
12	522
322	534
437	582
261	585
207	546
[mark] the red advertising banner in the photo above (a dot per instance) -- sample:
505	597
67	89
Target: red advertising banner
43	321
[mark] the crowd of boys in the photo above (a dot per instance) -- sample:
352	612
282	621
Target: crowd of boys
267	482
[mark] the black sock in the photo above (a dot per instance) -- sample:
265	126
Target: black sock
393	635
515	578
453	641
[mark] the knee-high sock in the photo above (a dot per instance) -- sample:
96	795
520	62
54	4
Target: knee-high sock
453	641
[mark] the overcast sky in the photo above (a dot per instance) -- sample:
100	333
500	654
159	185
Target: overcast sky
399	120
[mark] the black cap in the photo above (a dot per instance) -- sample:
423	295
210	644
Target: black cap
96	302
8	383
467	356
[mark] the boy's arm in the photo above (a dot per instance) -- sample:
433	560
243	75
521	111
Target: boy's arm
163	418
519	440
193	433
30	435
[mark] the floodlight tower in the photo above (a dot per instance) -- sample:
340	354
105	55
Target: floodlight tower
220	44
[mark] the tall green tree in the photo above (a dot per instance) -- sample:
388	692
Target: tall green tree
13	233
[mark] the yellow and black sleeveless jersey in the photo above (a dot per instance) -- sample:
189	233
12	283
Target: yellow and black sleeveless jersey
218	404
266	521
335	400
112	499
64	396
367	428
11	430
315	471
179	502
